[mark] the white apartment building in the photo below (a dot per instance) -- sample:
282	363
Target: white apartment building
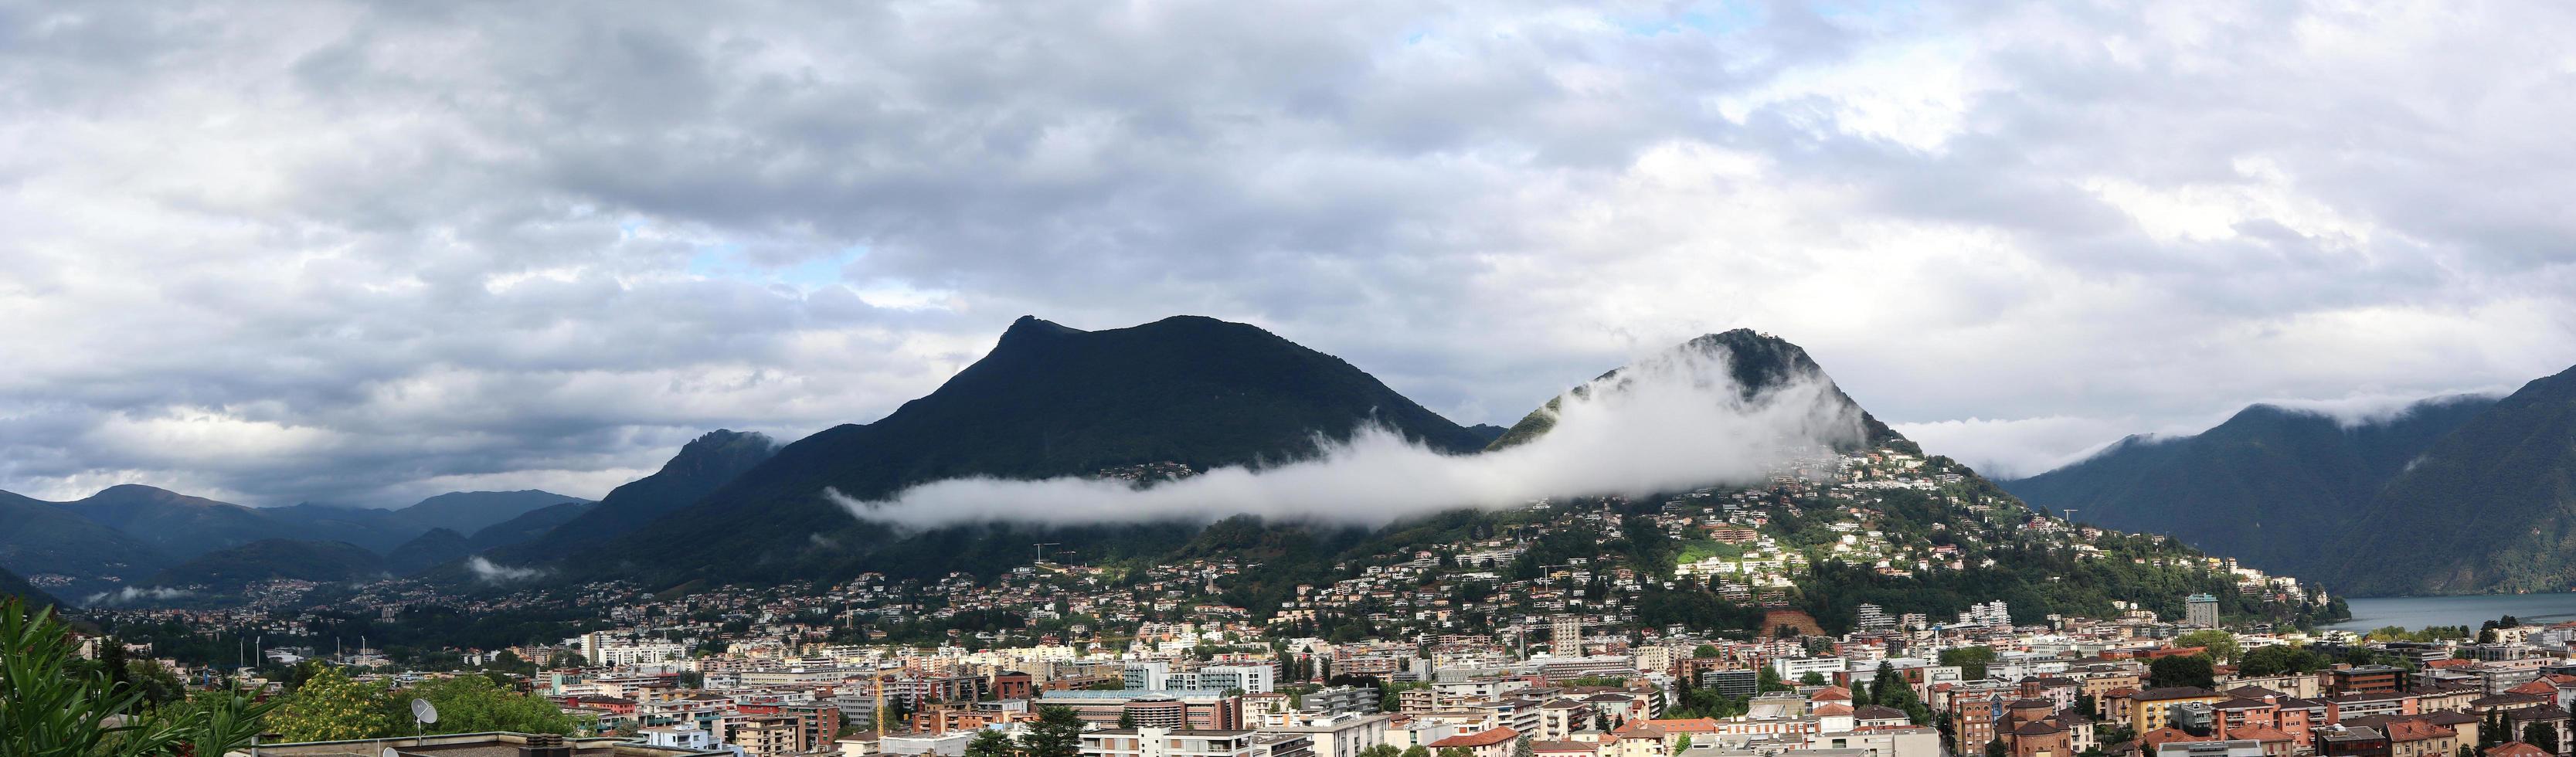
1164	742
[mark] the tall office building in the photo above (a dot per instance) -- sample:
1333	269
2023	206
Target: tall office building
2202	610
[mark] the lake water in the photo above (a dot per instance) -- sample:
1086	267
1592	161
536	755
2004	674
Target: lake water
2418	612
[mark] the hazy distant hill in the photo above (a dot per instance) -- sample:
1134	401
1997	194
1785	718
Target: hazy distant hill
2270	486
226	571
178	524
708	462
39	537
2489	507
11	585
1047	401
126	533
437	546
468	512
529	526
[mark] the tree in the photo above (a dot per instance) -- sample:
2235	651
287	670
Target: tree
1768	680
1417	750
330	707
1520	747
1380	750
2279	659
2221	645
990	742
2543	735
1455	751
2190	670
2116	733
1889	688
1971	661
1995	748
1682	744
1811	678
1704	651
2492	729
1058	733
473	704
1126	719
158	684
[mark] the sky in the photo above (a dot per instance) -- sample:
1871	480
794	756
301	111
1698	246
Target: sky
358	254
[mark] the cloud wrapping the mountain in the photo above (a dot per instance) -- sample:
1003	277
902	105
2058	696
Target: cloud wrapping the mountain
1669	423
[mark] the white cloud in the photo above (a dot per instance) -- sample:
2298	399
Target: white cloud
132	596
494	573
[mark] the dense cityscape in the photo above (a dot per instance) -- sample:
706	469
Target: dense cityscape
1692	625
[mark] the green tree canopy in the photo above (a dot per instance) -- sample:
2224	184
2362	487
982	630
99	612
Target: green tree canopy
1058	733
2192	670
989	742
2222	645
2279	659
331	707
472	704
1971	661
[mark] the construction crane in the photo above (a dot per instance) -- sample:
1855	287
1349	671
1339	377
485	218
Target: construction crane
1042	548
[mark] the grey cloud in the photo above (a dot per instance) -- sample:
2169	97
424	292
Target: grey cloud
457	239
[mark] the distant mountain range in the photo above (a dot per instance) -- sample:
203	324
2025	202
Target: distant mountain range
226	571
2263	487
2452	495
1048	400
134	535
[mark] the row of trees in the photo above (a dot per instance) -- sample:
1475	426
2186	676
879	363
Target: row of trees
330	706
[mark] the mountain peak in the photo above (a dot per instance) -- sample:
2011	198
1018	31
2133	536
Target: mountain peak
139	490
723	443
1757	361
1050	401
1033	327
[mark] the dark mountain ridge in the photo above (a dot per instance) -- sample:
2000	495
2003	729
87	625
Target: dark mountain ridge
2266	486
1048	400
701	466
2489	507
41	538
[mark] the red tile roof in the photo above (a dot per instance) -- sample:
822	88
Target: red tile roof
1488	737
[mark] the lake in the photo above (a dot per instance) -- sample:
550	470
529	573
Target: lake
2418	612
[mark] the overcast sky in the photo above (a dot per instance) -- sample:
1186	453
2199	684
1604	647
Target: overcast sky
281	252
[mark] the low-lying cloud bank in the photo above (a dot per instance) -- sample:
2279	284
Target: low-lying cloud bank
492	572
1669	423
132	595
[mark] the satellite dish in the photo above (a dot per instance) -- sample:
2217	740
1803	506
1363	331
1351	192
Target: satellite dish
423	711
392	752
